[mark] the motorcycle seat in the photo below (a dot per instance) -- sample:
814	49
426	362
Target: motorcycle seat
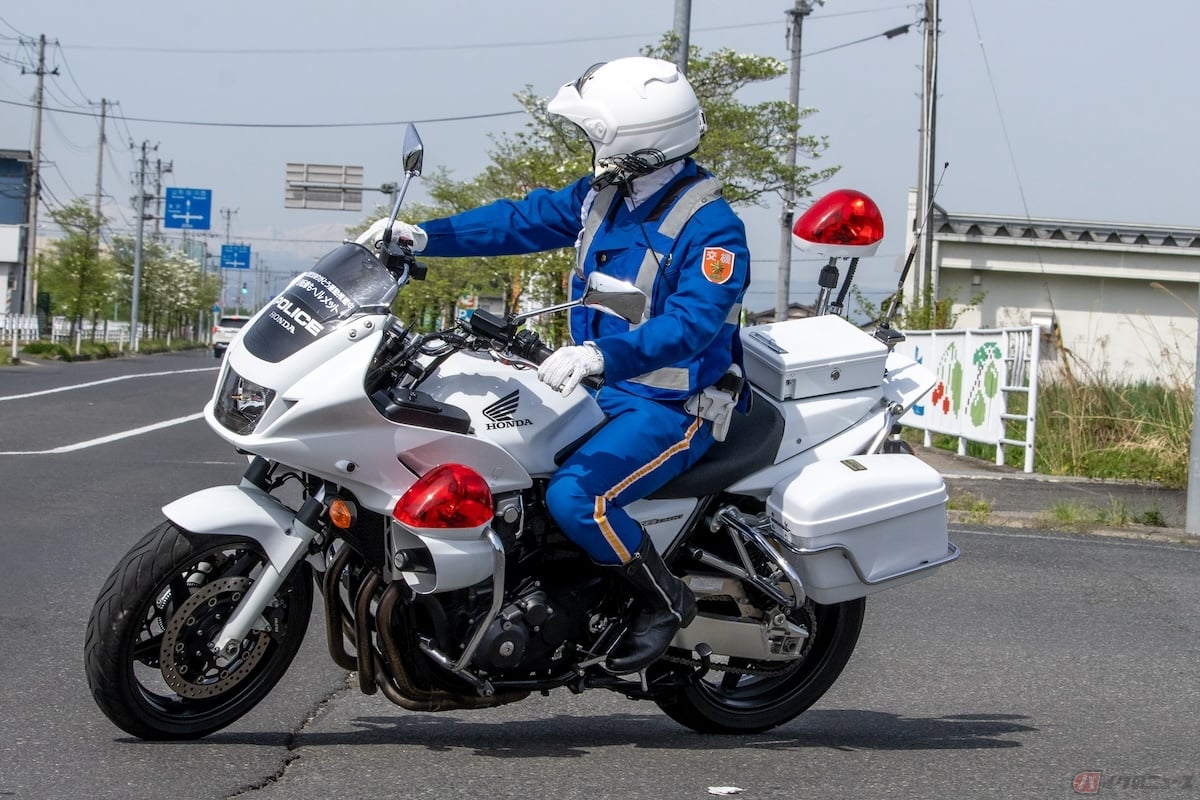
751	444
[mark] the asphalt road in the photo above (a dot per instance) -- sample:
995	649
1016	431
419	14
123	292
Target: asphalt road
1035	659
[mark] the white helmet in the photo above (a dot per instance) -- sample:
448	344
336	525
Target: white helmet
639	113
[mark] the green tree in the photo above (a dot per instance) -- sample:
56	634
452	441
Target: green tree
174	288
938	315
79	275
745	146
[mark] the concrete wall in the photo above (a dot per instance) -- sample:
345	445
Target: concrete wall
1123	298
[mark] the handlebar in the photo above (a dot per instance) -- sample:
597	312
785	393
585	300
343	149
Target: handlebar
526	344
537	352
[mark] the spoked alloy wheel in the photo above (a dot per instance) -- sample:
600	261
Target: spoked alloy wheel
754	696
146	655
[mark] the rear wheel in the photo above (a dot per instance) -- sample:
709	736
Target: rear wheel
742	696
146	655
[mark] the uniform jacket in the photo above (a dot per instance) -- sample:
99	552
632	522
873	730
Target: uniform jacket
698	278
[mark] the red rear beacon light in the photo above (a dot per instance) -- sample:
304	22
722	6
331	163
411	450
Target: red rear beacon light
449	496
843	223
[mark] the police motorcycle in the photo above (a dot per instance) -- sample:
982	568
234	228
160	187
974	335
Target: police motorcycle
401	473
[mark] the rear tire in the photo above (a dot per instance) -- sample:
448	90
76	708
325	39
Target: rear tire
146	653
726	702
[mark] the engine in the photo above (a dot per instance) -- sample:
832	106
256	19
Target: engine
534	631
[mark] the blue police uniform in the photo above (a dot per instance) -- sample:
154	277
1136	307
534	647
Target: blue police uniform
687	249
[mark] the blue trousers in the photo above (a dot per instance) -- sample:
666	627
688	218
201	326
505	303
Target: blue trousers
644	444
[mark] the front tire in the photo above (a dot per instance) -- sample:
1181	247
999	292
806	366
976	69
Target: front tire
731	702
146	655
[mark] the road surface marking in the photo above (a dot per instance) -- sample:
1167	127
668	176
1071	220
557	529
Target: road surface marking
105	380
69	448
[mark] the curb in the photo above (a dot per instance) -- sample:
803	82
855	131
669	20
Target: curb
1040	523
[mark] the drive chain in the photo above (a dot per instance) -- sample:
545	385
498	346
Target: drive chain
755	671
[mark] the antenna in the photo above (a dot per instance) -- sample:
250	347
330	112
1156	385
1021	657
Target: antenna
885	333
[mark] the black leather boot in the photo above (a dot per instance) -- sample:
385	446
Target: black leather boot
666	605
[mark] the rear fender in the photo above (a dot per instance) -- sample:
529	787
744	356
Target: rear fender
243	510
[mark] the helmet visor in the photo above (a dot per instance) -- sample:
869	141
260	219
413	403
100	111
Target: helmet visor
594	119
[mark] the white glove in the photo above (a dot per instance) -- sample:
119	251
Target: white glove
400	230
567	366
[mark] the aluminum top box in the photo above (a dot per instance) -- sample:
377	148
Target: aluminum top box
812	357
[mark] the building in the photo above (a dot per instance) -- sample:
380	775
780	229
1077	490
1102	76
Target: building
1116	302
794	311
14	218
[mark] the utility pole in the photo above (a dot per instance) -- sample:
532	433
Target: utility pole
923	289
29	278
140	203
783	285
160	169
683	32
100	164
227	213
1191	521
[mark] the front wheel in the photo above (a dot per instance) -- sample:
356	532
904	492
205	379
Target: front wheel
741	696
146	655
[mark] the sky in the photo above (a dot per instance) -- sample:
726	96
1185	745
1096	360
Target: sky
1072	109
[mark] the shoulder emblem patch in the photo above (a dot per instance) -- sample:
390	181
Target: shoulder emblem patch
717	264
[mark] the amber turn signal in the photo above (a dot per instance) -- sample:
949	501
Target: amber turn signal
341	513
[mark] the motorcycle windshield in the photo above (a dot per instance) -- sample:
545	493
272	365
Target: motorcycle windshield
346	282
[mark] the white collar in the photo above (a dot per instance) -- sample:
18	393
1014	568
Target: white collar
644	187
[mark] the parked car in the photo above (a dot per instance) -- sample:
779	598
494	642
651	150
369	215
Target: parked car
224	331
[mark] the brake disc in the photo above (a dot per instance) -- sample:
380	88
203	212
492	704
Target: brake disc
188	666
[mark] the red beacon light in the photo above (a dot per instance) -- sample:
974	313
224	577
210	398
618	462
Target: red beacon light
843	224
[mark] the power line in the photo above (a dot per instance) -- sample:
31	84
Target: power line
63	58
311	51
8	25
891	33
272	125
66	183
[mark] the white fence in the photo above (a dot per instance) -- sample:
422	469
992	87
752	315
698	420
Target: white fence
107	331
978	371
23	326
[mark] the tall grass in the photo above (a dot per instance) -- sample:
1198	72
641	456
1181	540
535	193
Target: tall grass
1138	431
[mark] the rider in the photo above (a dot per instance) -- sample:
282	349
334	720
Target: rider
650	215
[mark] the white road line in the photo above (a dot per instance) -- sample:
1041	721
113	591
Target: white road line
105	439
105	380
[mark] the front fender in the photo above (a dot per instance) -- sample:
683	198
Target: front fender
243	510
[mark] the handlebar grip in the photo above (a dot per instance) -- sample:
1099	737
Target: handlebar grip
529	345
540	353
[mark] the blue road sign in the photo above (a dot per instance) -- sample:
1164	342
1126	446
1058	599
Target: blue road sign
188	208
235	256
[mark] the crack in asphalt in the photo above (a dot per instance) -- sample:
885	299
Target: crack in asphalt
293	742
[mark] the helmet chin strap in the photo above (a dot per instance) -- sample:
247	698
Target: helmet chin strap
623	169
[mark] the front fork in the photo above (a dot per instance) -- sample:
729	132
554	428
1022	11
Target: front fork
305	528
249	510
